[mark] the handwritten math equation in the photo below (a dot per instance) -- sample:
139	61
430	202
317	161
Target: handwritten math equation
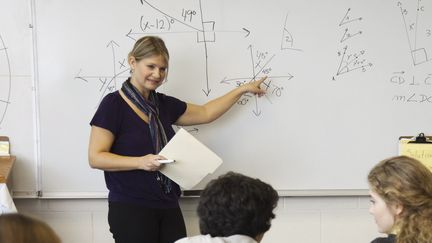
413	87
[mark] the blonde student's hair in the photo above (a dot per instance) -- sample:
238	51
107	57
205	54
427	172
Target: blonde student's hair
405	181
149	46
19	228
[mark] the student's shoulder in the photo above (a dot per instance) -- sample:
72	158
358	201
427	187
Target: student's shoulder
389	239
200	239
193	239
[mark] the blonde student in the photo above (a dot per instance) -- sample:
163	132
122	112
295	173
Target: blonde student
401	200
18	228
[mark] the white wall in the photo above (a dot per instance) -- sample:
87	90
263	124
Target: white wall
298	219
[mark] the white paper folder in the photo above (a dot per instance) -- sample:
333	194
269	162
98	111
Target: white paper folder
193	160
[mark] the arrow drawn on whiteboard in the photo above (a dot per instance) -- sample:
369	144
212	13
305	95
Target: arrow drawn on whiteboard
256	111
247	32
78	76
347	35
225	80
207	90
131	33
347	19
112	44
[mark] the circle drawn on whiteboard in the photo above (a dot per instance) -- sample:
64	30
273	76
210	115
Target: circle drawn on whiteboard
5	80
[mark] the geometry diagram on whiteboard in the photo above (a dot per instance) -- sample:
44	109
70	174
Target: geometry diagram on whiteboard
414	32
5	80
208	35
261	65
287	42
191	17
419	56
351	61
187	20
348	19
109	82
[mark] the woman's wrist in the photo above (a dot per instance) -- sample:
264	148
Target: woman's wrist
242	89
138	163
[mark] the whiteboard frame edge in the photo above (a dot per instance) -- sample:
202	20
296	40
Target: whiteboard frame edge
282	193
24	194
309	193
36	104
74	195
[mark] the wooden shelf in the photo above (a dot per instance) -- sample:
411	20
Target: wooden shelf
6	164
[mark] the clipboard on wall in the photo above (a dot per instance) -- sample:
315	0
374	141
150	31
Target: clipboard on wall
417	147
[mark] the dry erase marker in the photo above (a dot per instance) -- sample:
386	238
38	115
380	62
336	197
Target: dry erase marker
166	161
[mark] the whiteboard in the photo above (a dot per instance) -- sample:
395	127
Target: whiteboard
17	92
346	79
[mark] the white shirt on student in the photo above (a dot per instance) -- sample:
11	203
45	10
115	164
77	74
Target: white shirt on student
6	203
209	239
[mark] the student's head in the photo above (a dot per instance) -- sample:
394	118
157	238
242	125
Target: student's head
236	204
18	228
148	61
401	195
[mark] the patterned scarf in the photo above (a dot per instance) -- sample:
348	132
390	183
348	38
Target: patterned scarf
158	136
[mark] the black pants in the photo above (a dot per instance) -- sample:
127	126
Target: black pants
131	223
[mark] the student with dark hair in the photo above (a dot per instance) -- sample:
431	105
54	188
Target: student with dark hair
235	208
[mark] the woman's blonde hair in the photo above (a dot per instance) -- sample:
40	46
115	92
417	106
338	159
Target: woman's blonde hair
407	182
18	228
149	46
